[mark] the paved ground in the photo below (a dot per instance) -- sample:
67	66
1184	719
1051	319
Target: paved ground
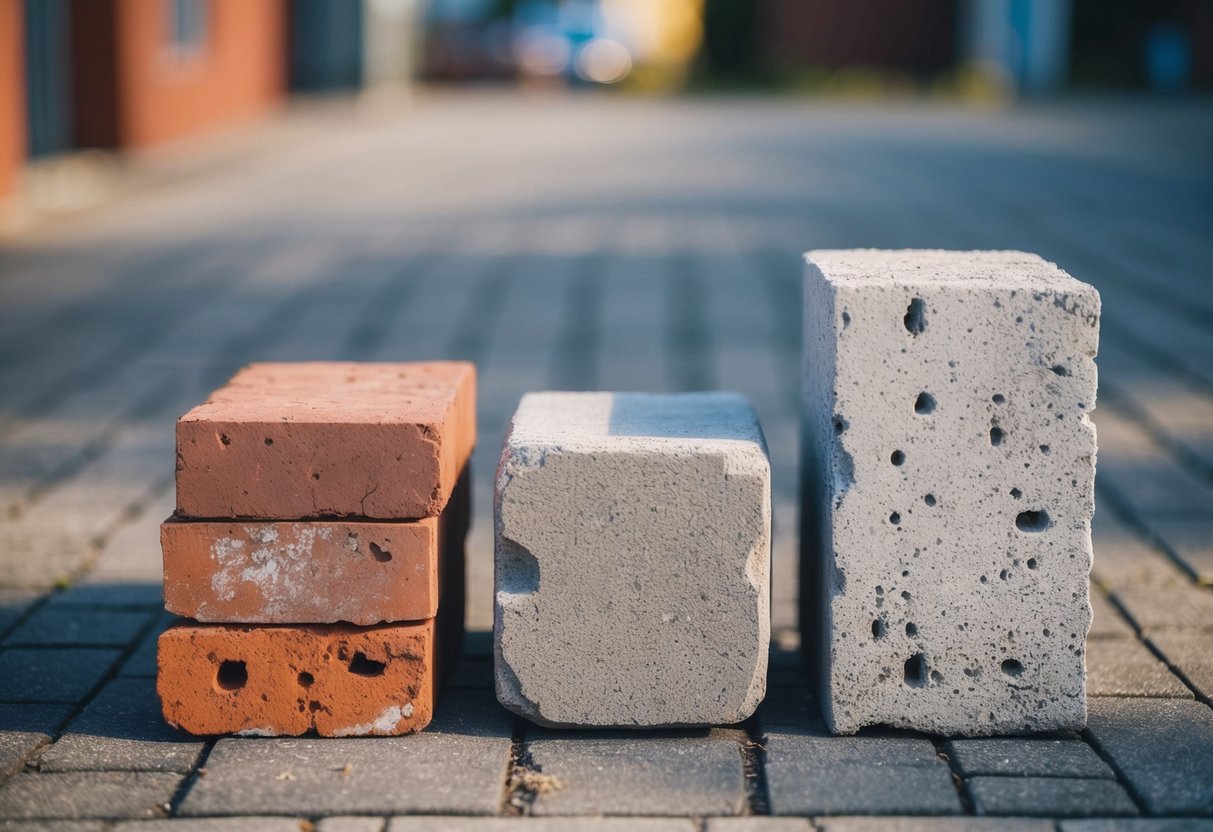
594	243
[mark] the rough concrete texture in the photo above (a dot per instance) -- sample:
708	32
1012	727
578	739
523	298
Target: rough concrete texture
633	537
290	441
337	679
950	467
311	571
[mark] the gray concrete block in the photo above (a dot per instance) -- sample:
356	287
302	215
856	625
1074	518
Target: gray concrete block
1049	797
668	774
1027	757
1162	747
1123	667
947	523
633	537
49	675
112	795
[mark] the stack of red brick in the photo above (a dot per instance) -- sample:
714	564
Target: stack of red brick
317	547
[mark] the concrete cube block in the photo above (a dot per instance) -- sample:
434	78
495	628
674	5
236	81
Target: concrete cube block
949	470
633	537
328	439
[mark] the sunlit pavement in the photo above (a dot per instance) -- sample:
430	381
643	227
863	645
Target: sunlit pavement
594	242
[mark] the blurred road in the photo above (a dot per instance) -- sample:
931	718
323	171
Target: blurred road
587	242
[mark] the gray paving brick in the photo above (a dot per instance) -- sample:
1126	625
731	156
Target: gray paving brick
1162	747
1049	797
617	773
1192	542
915	824
142	661
809	775
1191	654
50	675
759	824
1137	825
14	603
245	824
449	824
23	729
456	766
51	826
109	594
1106	620
1168	608
1123	559
1124	667
351	823
1027	757
122	730
52	626
94	794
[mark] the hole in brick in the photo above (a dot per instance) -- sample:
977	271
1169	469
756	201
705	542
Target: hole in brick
269	441
225	439
929	499
911	629
878	628
924	404
306	679
315	476
313	706
996	435
232	675
895	518
897	458
916	316
916	671
1060	369
381	555
1012	667
999	398
1016	493
1031	563
360	665
1032	521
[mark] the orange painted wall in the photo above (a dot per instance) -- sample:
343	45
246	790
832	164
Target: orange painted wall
163	95
12	94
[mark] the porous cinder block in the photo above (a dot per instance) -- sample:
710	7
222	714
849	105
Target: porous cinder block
338	679
949	469
291	441
311	572
633	537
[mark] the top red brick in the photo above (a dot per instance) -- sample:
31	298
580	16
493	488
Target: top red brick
331	439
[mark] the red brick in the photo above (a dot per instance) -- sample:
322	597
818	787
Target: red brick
336	679
312	572
307	440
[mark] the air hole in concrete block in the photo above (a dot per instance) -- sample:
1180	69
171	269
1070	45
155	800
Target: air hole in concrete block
269	441
1031	563
840	424
996	435
1032	521
232	675
895	518
924	404
520	572
360	665
1016	493
878	628
1060	370
1002	574
846	319
1044	449
382	555
911	629
905	595
1012	667
916	316
897	458
306	679
999	398
929	499
936	677
916	671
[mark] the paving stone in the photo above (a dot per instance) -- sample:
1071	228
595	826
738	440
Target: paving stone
51	826
809	775
88	794
449	824
1168	608
947	537
122	730
1123	559
889	824
1106	620
759	824
1137	825
350	823
23	728
245	824
1191	654
1027	757
50	675
142	661
1192	542
456	766
277	680
630	520
121	594
1049	796
608	773
1120	667
1162	747
50	626
14	603
383	441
